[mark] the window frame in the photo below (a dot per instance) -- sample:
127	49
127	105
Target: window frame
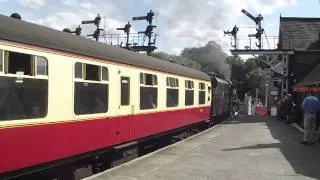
204	97
202	89
7	64
100	81
142	76
189	86
172	83
75	69
36	66
5	69
128	79
83	80
2	66
101	73
202	86
85	66
20	78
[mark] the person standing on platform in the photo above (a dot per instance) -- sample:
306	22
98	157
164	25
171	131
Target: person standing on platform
282	107
310	107
288	109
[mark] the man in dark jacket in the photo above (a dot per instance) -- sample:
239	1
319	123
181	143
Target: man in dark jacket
288	107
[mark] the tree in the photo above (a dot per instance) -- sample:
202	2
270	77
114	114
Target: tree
161	55
245	75
258	61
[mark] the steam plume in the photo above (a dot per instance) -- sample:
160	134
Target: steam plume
211	58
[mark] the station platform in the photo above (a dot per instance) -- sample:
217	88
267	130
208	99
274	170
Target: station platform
247	147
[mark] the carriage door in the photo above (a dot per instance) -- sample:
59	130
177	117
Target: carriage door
125	108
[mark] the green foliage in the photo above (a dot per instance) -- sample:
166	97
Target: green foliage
250	64
161	55
259	61
245	75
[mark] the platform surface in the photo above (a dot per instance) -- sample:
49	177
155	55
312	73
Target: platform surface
246	148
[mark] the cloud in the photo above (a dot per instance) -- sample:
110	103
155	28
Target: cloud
69	2
87	5
265	7
71	20
34	4
181	23
190	23
70	14
212	3
59	20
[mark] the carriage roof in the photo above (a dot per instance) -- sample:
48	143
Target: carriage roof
28	33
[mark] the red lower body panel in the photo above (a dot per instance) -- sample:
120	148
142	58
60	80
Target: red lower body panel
22	147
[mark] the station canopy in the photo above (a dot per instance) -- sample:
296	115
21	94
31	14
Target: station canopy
310	82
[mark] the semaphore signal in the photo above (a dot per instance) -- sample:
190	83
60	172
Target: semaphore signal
96	22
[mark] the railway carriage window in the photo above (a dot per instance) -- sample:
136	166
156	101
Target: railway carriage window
209	93
42	66
125	91
172	82
22	97
142	78
149	79
202	93
189	93
172	92
92	72
202	86
105	74
27	100
1	60
148	91
155	80
90	97
18	62
78	70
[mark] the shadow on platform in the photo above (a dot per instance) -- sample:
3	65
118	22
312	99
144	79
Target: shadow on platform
258	146
305	160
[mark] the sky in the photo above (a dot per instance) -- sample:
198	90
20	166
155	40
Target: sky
180	23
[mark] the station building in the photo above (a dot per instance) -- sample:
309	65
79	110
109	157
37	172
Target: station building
302	35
